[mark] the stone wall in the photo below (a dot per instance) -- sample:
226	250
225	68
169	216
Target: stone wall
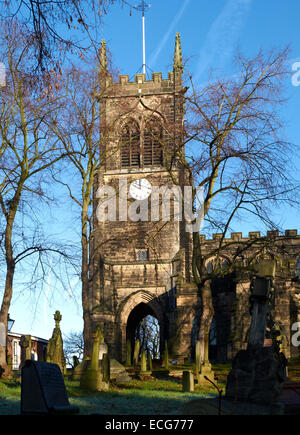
231	298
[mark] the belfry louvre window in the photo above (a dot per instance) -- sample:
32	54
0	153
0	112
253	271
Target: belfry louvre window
130	146
152	150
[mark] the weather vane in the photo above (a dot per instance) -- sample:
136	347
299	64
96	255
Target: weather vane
141	7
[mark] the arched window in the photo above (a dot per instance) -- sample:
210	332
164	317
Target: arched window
130	146
152	152
223	263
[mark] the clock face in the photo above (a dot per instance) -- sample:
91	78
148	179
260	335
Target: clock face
140	189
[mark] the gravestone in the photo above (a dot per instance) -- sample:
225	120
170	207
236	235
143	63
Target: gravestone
187	381
103	348
92	377
166	356
43	390
118	372
55	351
80	369
206	371
144	371
105	362
258	372
25	344
128	353
136	352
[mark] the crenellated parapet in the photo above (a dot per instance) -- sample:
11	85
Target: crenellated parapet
244	251
140	86
253	235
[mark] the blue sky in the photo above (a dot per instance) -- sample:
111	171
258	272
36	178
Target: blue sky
210	34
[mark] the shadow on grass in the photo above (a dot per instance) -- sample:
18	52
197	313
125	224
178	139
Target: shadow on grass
132	402
137	397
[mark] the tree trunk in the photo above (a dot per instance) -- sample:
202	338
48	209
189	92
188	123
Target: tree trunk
87	323
10	270
206	319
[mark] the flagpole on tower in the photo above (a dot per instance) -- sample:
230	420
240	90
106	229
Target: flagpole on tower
144	37
142	7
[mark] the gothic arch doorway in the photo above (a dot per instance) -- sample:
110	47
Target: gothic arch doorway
143	324
136	308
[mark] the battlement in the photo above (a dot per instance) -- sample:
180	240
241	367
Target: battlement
141	78
252	235
140	85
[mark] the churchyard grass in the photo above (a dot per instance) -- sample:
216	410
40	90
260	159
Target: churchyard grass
137	397
143	397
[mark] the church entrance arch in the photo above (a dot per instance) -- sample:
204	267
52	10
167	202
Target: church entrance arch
137	307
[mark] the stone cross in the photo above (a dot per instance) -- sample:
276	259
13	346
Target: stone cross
55	351
57	318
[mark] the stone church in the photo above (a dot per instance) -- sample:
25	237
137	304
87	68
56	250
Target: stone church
142	266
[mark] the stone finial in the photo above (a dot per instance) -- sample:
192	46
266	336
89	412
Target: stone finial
178	65
57	318
103	56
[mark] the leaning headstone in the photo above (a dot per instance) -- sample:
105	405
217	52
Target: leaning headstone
187	382
55	351
136	352
43	390
118	372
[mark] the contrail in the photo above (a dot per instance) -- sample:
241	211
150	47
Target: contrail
167	34
222	36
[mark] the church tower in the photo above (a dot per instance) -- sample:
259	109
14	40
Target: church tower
140	250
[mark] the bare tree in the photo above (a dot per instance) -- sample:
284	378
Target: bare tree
148	334
57	27
73	347
236	152
27	151
77	129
